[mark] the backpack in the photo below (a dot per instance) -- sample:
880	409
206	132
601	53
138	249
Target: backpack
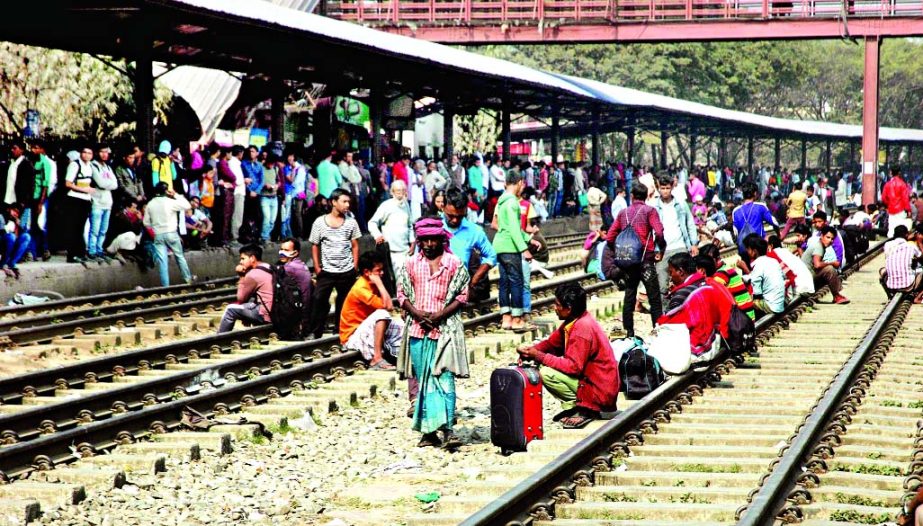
628	250
745	231
639	372
249	233
288	307
741	333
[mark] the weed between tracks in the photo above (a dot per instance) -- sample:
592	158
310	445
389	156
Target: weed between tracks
703	468
891	403
861	518
843	498
869	469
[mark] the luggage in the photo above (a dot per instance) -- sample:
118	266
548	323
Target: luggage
669	344
515	407
741	333
628	250
639	372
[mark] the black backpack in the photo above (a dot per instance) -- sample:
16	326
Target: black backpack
640	372
741	333
288	306
628	250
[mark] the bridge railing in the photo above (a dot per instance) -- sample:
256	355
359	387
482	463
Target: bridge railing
485	12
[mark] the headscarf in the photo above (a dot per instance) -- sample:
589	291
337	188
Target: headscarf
432	227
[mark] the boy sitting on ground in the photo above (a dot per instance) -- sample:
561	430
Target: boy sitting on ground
365	323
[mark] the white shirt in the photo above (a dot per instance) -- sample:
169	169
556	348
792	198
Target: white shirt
234	165
10	197
671	232
162	212
858	218
392	221
804	278
768	281
497	178
618	205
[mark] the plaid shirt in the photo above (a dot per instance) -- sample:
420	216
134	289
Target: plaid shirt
644	219
430	288
899	263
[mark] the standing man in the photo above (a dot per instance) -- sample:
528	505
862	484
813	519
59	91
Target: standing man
105	182
335	250
646	223
235	163
391	223
295	177
79	183
896	196
457	173
161	215
749	218
511	245
328	176
224	200
253	179
20	178
254	291
467	237
45	176
795	215
431	291
130	187
475	178
679	229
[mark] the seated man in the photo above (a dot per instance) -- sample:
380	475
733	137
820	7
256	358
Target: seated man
16	241
684	278
766	277
198	225
705	311
902	253
366	324
290	260
579	367
729	278
254	291
796	273
824	271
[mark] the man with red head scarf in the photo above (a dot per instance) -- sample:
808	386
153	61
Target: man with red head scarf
431	290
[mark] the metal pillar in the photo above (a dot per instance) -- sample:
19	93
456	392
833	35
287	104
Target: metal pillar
595	137
692	143
804	159
664	137
631	144
828	158
277	130
505	129
722	152
870	121
448	132
144	95
750	156
777	158
376	117
555	136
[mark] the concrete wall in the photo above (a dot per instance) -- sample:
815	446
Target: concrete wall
76	280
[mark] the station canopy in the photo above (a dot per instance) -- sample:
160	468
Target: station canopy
254	37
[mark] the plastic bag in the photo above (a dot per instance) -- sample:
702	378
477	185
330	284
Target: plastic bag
669	343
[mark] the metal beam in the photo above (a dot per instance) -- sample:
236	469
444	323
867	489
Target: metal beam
505	128
664	138
144	94
663	31
693	139
750	156
277	111
595	136
631	144
777	147
804	160
828	158
870	121
555	135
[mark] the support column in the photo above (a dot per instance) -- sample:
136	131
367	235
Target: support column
631	144
555	136
376	117
804	159
870	121
144	95
777	158
750	156
722	152
505	129
692	150
828	158
595	137
448	132
277	130
664	137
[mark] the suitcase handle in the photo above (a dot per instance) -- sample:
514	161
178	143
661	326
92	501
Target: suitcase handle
530	369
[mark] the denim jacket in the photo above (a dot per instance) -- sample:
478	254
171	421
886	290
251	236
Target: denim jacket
686	221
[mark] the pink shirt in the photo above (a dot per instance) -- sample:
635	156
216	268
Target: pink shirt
430	288
899	263
696	189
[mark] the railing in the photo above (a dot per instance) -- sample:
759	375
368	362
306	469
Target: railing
485	12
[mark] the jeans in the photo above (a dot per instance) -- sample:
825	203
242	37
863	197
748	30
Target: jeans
249	313
526	287
25	220
557	198
269	205
510	283
646	273
172	241
99	224
286	216
14	248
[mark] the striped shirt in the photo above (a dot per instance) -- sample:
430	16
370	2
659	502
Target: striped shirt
730	278
899	263
335	244
430	288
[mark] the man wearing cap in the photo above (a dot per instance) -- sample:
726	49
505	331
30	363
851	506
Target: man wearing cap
431	291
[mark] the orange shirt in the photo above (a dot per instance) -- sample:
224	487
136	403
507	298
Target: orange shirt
358	305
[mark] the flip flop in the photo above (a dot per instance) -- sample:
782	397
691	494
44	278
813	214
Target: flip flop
525	328
564	414
577	422
381	365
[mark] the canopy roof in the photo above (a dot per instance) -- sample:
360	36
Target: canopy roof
256	37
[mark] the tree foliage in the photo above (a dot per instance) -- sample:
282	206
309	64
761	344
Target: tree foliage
76	94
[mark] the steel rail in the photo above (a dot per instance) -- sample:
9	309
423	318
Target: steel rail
775	490
41	451
537	494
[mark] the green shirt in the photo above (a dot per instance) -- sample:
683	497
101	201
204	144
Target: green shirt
328	178
510	238
43	174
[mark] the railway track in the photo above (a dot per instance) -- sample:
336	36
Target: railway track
698	448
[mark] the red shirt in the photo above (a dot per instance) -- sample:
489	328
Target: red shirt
705	312
645	220
896	195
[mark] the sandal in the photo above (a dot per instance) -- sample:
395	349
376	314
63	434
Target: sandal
580	419
430	440
564	414
526	327
381	365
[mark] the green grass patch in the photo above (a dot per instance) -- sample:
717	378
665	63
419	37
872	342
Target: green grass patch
916	405
869	469
619	497
861	518
609	515
703	468
891	403
690	498
257	440
843	498
281	428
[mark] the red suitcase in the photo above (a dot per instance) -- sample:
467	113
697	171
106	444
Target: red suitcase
515	407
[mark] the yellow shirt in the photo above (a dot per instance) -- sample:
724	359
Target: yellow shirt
795	202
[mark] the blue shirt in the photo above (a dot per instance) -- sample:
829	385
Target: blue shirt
468	237
253	170
754	214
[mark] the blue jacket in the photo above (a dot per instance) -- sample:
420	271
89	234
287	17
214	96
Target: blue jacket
686	222
253	170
